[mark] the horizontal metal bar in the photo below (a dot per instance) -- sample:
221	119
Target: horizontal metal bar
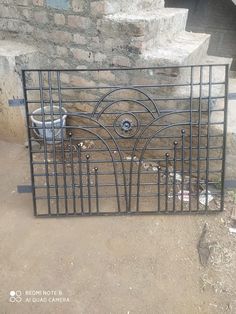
16	102
87	115
124	86
104	196
127	68
24	188
147	172
121	139
91	150
105	161
230	184
51	186
131	213
111	126
232	96
66	101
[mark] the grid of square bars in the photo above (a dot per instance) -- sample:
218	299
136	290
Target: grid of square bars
140	144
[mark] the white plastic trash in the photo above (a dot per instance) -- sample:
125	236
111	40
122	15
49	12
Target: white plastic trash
183	195
51	129
205	197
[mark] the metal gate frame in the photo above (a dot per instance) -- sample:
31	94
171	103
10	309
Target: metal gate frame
70	170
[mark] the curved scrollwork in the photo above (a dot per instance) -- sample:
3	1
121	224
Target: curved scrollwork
95	111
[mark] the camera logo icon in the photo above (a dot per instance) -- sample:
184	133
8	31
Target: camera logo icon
15	296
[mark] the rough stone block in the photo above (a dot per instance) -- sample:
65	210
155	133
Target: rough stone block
75	21
23	2
60	37
59	19
79	39
26	13
78	6
62	51
94	43
76	80
98	8
16	26
100	57
9	12
60	63
106	76
82	55
38	2
41	17
121	61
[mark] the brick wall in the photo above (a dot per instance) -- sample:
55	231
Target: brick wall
65	31
215	17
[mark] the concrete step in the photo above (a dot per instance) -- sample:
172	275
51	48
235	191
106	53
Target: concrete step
217	77
186	48
134	6
144	30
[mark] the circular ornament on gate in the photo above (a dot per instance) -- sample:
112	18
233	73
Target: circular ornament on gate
126	125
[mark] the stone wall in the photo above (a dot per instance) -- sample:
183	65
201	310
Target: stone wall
60	34
62	30
66	31
106	33
215	17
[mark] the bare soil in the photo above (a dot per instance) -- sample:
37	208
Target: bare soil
147	264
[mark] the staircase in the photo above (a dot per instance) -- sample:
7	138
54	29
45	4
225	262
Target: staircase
154	35
149	34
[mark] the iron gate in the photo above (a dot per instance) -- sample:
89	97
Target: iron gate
127	141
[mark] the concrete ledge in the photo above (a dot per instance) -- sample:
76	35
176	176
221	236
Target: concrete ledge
186	48
13	57
134	6
145	30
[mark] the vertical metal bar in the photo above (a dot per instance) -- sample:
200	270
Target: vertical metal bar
182	168
44	138
174	178
208	134
138	188
159	188
167	182
191	139
88	182
29	140
80	178
224	136
96	187
62	140
199	136
72	172
53	141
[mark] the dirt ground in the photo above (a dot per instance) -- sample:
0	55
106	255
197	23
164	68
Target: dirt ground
120	265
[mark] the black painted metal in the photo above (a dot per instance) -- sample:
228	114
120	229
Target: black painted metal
24	189
15	102
134	141
232	96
